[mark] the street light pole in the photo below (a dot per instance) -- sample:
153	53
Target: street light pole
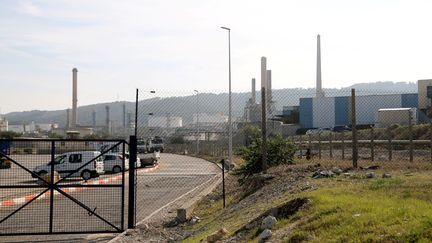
229	95
197	123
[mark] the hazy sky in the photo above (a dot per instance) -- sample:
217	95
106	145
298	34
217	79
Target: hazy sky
174	45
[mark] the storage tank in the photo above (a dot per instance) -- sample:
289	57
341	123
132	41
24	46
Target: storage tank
401	116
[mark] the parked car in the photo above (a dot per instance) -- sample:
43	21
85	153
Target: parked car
113	162
149	158
70	162
341	129
317	131
155	144
141	146
138	162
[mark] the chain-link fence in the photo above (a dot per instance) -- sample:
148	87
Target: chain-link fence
389	126
174	131
62	186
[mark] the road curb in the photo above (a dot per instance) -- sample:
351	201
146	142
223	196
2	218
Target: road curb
24	199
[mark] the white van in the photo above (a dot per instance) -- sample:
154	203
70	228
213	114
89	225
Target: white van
67	163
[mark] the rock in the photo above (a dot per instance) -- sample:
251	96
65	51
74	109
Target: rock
386	175
323	174
347	174
372	167
195	219
217	235
337	170
268	222
266	234
370	175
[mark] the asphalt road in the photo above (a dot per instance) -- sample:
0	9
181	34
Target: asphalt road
176	175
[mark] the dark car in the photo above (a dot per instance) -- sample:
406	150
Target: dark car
341	129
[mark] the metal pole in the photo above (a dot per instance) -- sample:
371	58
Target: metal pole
331	144
197	125
230	101
123	184
264	129
411	146
132	185
223	181
136	114
51	186
372	145
354	129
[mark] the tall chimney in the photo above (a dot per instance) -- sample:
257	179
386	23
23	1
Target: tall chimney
94	118
269	91
253	92
319	92
67	118
124	115
74	97
264	83
107	120
129	119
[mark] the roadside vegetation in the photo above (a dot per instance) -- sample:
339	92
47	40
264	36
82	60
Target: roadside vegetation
348	207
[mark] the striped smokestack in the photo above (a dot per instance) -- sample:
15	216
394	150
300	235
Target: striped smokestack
74	97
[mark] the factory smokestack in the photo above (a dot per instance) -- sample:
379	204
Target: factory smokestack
253	92
107	120
74	97
319	91
264	84
129	119
269	91
94	118
68	118
124	115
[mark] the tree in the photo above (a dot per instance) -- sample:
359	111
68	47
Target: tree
9	135
280	151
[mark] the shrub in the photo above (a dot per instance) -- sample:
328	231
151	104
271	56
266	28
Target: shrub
279	151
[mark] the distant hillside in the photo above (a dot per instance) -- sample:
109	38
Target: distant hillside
208	103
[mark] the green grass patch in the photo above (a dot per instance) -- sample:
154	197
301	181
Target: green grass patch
369	210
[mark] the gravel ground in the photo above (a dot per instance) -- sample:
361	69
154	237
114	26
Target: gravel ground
160	227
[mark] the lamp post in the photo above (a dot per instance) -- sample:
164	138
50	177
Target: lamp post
229	95
197	122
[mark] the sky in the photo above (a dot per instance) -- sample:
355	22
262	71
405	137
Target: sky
178	46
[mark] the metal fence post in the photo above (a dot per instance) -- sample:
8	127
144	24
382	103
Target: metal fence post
343	145
430	145
372	145
331	144
354	129
411	145
319	145
51	186
264	129
301	146
136	113
223	181
132	184
390	147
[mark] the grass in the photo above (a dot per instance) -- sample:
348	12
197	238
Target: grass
342	209
378	210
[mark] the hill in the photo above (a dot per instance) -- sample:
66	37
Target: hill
185	106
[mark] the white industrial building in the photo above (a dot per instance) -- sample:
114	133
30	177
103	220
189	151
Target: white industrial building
4	125
165	121
207	119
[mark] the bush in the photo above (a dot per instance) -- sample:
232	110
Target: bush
279	151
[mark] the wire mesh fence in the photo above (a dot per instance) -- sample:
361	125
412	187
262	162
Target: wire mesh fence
62	186
390	126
